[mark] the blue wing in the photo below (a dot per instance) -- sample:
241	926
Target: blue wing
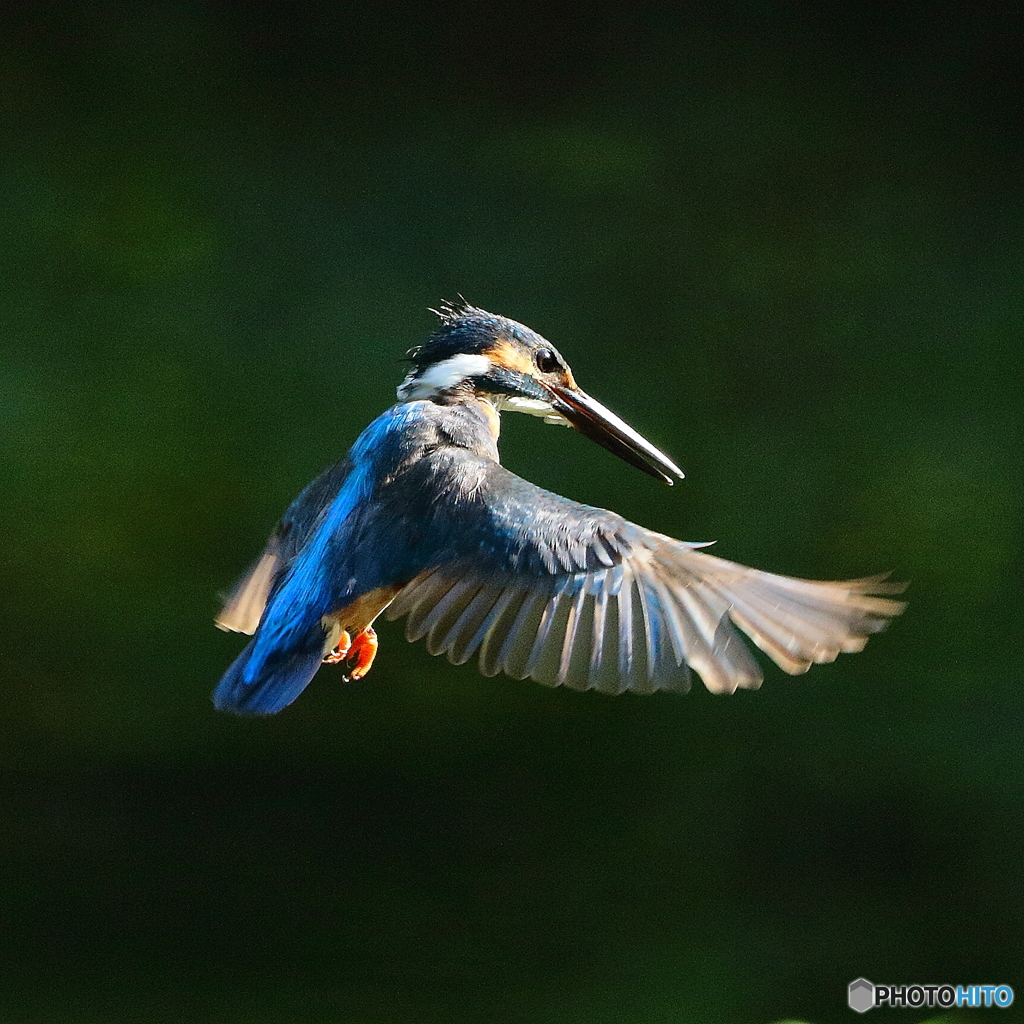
243	608
327	551
291	638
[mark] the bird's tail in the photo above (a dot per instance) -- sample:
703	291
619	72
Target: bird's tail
262	682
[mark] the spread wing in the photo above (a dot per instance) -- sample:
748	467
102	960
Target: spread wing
541	587
243	608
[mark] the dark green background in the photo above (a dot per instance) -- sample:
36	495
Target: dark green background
783	240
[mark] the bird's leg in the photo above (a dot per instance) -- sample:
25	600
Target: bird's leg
362	651
340	652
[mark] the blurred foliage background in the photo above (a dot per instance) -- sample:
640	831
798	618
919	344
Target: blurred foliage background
781	239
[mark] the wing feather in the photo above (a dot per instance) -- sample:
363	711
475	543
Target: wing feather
418	599
575	665
546	656
243	608
446	613
549	616
662	670
537	586
700	615
491	628
515	651
501	626
572	628
465	636
627	629
598	631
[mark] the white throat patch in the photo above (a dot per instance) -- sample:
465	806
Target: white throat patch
441	376
533	407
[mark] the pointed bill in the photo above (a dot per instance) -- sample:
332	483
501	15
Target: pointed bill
603	427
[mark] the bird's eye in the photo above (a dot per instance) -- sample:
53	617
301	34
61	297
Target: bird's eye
547	361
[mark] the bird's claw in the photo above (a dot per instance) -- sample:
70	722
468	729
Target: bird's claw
340	652
360	650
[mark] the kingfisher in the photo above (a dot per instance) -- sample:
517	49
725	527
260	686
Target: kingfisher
421	521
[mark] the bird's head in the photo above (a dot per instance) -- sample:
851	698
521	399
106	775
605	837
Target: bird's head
478	354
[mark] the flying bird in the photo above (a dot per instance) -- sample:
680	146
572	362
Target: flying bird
421	521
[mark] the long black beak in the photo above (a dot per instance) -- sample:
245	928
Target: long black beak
602	426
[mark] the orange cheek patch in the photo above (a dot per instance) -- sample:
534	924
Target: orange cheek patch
507	355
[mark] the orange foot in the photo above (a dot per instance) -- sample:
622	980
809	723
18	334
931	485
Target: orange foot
340	653
360	649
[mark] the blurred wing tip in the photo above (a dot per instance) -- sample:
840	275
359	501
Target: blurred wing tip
854	644
879	618
717	683
877	584
233	622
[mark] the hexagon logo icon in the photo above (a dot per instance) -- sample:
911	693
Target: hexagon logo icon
861	995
